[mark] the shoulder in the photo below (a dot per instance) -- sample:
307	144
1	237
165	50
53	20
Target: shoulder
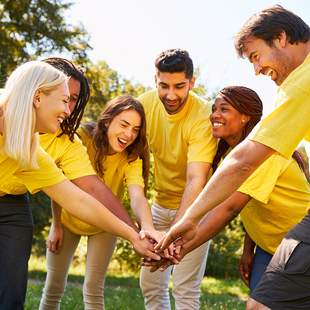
148	97
85	131
200	104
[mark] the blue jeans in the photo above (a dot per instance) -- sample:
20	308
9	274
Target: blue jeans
16	230
261	261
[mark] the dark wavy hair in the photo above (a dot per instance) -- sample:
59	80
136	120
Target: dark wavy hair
175	60
72	123
246	101
99	133
268	25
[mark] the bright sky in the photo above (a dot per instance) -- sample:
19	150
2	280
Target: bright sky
129	34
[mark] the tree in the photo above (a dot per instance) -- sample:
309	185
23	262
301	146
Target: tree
106	84
31	28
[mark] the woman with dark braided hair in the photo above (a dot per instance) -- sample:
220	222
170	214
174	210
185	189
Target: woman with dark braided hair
264	200
79	94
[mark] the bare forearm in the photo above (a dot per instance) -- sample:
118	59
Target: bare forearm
214	221
140	207
236	168
143	213
210	226
249	244
196	178
191	191
88	209
96	188
56	213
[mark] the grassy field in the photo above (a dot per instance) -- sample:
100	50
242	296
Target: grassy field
122	291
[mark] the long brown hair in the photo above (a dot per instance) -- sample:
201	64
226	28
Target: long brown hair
246	101
99	132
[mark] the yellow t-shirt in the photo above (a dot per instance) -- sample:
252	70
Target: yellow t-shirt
70	156
117	171
289	123
15	181
281	198
176	140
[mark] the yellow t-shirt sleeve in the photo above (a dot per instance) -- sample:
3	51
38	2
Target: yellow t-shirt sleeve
201	143
287	125
75	162
48	173
263	180
133	173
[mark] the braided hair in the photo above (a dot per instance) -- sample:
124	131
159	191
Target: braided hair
72	123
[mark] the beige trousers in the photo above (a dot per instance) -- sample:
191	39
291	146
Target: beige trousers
100	248
186	276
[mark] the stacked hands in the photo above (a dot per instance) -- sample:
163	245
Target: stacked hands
170	246
157	248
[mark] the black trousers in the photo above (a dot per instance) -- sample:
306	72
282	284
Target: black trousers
16	231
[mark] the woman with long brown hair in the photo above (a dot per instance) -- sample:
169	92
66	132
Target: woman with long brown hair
118	150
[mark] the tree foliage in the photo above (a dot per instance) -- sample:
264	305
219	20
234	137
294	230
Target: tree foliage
31	28
106	84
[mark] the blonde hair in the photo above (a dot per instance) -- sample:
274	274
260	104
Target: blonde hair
20	139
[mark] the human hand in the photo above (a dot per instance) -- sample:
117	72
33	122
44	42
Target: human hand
153	234
157	236
181	232
55	238
245	266
164	263
145	248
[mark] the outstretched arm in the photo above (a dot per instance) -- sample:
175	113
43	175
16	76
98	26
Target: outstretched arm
88	209
142	211
236	168
95	187
92	185
215	221
196	178
211	224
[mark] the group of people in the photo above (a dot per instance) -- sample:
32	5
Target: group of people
84	168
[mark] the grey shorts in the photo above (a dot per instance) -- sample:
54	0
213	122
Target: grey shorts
285	284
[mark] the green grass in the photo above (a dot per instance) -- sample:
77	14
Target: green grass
122	291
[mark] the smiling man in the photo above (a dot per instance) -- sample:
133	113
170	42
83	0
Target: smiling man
180	138
277	43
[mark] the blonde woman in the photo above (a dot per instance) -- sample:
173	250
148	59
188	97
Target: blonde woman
35	100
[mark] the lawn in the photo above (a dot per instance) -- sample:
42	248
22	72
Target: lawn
122	291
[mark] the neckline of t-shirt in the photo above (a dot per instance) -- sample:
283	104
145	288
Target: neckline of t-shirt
179	115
